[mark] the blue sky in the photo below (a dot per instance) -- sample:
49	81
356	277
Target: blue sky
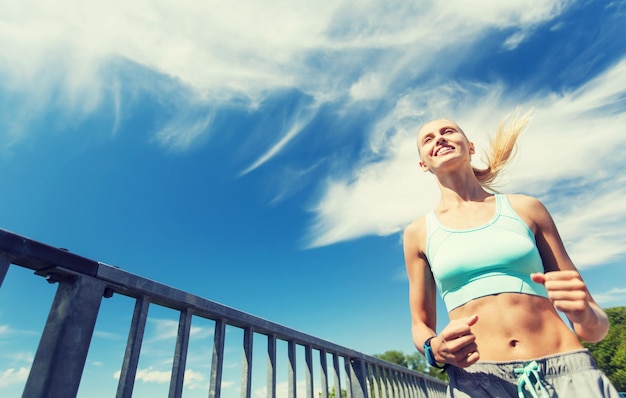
262	153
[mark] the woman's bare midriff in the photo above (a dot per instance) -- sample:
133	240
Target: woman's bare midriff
514	326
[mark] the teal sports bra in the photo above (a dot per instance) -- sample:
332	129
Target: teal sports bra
497	257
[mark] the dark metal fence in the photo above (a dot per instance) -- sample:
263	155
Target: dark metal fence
82	283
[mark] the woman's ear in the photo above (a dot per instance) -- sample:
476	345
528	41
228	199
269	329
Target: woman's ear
424	166
472	150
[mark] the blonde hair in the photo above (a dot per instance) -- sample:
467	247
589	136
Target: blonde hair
502	147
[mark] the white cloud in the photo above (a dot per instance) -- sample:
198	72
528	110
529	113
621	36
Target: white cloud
192	378
574	135
64	55
109	335
514	40
282	389
150	375
13	376
227	385
388	189
184	130
164	329
613	295
195	380
61	54
8	330
379	199
24	357
303	116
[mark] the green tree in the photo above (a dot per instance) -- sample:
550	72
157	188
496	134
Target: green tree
610	353
394	356
331	394
414	361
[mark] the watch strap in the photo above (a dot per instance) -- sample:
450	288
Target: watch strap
430	356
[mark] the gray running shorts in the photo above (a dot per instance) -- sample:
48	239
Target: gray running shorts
571	374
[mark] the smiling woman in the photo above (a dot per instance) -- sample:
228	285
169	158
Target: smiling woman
502	145
502	270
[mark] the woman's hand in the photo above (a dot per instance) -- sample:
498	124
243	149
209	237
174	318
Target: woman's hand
456	344
569	294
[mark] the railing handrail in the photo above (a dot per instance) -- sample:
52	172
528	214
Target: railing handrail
60	265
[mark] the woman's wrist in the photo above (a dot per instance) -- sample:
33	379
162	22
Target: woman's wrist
430	354
595	327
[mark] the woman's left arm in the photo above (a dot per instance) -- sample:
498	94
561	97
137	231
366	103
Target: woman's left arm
566	288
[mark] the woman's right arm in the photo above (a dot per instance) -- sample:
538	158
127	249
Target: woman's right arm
422	290
456	344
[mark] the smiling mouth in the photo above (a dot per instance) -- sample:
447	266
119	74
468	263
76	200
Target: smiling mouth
443	150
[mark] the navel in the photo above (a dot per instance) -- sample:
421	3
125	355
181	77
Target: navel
513	343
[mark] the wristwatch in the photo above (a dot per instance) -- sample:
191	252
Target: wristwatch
430	357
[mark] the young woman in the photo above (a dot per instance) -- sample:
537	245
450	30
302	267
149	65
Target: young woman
502	270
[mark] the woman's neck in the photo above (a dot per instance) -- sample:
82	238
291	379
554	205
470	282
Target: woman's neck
458	188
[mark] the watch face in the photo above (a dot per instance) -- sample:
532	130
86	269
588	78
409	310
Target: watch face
429	354
430	357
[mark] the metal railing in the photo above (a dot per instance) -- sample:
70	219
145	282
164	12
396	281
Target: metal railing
60	358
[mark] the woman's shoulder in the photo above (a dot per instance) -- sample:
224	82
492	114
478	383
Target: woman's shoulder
417	226
524	202
415	232
529	208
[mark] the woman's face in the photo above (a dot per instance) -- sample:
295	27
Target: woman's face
441	142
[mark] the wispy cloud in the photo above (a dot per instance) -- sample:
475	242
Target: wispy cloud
386	190
192	378
610	296
21	357
302	117
330	50
593	224
185	129
338	52
164	329
109	335
6	330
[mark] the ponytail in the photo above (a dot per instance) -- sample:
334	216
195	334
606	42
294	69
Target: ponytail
502	147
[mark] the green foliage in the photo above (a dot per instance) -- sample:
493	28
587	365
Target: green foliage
417	362
610	353
414	361
394	356
331	394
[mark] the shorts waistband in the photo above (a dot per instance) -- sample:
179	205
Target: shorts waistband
548	366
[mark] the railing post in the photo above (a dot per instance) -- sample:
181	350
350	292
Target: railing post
337	375
271	366
5	262
246	365
324	373
133	348
308	358
358	378
291	371
62	352
180	355
217	362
